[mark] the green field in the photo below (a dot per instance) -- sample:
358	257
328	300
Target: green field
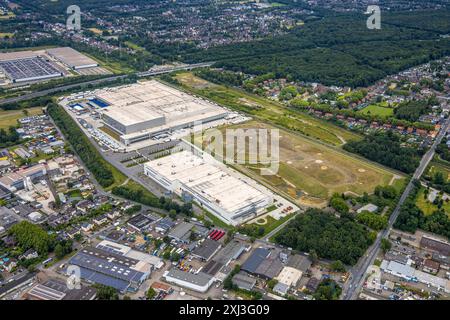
377	110
310	172
9	118
267	111
428	207
437	167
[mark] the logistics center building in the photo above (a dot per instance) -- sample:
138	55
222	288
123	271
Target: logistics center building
220	190
146	109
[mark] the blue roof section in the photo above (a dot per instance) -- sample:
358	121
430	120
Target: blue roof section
255	260
107	268
96	277
99	102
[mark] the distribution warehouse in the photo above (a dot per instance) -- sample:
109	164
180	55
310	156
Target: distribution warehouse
142	110
220	190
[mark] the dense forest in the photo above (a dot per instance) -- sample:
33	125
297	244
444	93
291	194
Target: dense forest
330	237
412	218
31	236
82	146
386	148
412	110
338	50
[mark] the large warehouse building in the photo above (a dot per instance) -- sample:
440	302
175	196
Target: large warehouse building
24	69
146	109
224	193
72	58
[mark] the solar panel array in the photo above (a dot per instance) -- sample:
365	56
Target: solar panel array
29	69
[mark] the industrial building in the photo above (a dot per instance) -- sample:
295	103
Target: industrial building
264	263
206	250
72	58
16	180
199	282
29	69
218	189
411	274
149	108
107	268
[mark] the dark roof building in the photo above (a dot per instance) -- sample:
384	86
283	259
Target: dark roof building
140	222
206	249
108	268
243	281
437	245
264	263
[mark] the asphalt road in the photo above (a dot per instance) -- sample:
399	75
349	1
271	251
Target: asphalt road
46	92
357	273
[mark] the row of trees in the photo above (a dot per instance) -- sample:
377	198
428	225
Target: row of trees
386	148
330	237
82	146
141	195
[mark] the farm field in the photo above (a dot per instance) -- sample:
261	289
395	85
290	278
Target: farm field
310	172
267	111
9	118
377	110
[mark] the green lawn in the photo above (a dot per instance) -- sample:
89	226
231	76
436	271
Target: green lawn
267	111
377	110
428	207
9	118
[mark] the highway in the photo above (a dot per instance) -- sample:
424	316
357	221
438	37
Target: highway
358	272
46	92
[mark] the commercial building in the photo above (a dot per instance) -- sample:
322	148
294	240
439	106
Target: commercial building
199	282
220	190
146	109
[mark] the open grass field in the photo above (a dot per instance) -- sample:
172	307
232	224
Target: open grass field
377	110
9	118
267	111
6	35
310	172
428	207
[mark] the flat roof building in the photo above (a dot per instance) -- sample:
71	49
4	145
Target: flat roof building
199	282
72	58
243	281
206	250
222	191
111	269
148	108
